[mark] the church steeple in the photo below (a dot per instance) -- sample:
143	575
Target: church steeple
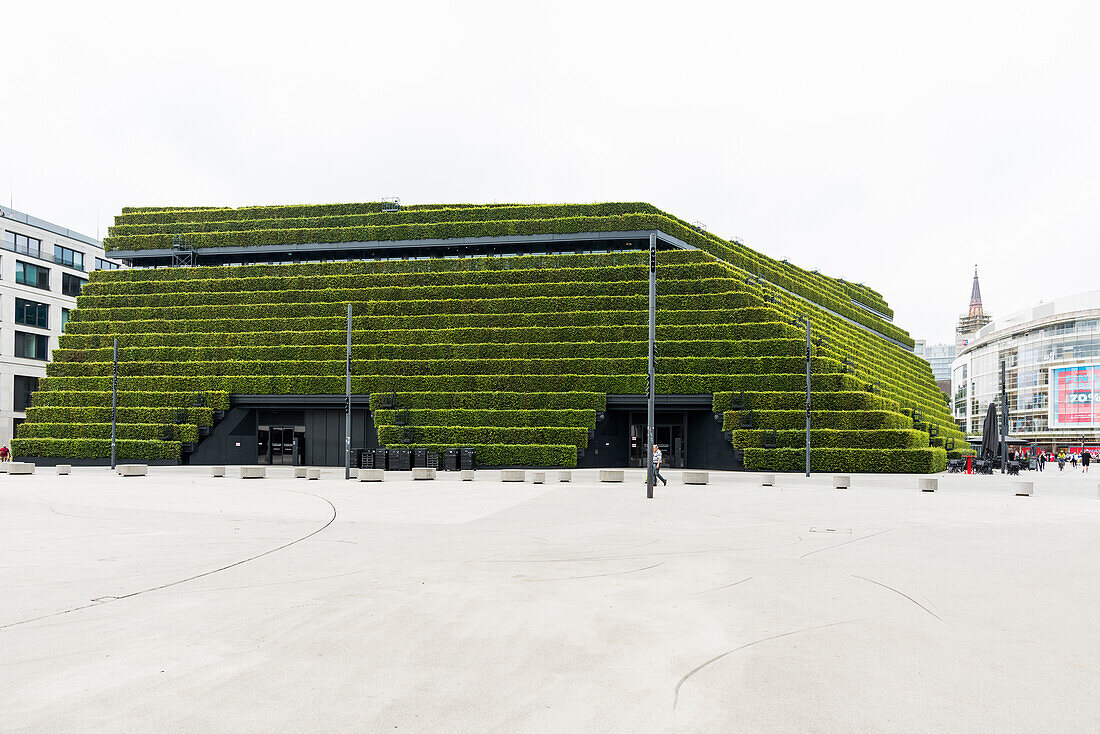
976	297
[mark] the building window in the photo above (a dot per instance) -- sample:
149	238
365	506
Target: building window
70	284
101	264
24	386
32	275
64	318
23	244
32	313
65	256
32	346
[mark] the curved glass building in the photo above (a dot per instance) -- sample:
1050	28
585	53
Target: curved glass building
1051	355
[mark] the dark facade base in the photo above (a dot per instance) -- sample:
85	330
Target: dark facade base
55	460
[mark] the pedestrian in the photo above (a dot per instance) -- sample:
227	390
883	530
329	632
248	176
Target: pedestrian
657	456
1042	460
1061	461
1086	459
1073	460
4	453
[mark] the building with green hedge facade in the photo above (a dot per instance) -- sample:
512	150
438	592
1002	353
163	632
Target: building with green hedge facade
518	330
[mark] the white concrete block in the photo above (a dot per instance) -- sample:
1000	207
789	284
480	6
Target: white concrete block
696	477
300	472
313	473
841	481
3	467
928	484
423	472
217	471
371	475
565	476
354	473
538	477
466	475
253	472
768	480
1023	489
611	475
132	470
512	475
20	467
64	469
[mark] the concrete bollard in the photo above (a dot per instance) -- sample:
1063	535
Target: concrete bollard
466	475
20	467
1023	489
696	477
538	477
132	470
353	473
217	471
423	472
841	481
565	476
370	475
928	484
768	480
512	475
313	473
301	472
611	475
64	469
253	472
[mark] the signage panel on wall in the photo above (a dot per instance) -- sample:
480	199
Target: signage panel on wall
1075	396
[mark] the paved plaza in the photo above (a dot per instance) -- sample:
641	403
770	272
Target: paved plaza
181	602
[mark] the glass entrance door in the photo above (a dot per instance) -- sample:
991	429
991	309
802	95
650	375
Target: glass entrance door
669	438
276	444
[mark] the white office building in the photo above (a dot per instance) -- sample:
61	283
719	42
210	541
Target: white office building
1051	358
42	268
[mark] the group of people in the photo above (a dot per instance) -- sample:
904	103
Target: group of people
1063	457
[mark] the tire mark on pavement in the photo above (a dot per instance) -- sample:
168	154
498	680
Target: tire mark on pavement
716	658
108	599
735	583
597	575
853	540
891	588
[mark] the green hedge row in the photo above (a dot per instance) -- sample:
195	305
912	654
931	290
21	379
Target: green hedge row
534	304
635	384
527	401
832	438
94	448
595	366
129	431
321	296
511	454
909	461
151	413
316	220
497	350
841	419
465	435
561	276
99	324
410	337
170	215
95	393
501	418
796	400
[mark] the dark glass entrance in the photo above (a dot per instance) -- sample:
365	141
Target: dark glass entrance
669	433
276	444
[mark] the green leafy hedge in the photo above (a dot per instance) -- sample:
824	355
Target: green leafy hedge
911	461
94	448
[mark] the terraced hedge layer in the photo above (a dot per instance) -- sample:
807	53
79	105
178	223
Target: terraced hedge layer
513	355
446	222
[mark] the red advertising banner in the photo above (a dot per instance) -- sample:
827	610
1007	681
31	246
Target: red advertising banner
1075	396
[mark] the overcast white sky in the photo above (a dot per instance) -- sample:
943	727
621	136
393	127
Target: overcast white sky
898	146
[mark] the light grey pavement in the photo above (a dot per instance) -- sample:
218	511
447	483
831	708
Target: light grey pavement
443	606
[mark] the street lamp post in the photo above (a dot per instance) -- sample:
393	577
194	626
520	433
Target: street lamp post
114	400
347	406
652	367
